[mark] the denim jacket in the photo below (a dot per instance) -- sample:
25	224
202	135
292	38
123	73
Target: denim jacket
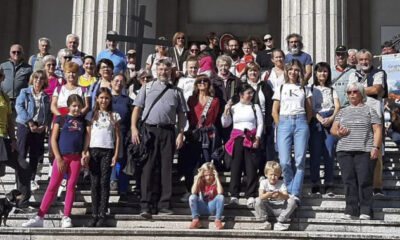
25	107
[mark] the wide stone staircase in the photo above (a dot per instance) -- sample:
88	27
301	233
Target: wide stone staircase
318	217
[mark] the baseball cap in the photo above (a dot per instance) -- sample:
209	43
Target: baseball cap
341	49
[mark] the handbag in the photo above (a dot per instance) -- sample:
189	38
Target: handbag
194	135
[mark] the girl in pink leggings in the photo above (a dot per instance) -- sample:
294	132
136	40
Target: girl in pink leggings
67	142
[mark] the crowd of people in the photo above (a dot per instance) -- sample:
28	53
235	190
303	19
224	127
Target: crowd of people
221	108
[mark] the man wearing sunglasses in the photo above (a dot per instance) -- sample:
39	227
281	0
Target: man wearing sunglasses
17	73
264	57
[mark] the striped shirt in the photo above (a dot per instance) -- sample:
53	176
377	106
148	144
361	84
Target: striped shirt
359	121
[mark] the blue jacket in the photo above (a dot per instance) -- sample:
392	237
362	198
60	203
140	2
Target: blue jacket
25	107
17	77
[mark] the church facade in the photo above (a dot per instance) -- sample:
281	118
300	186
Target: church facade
324	24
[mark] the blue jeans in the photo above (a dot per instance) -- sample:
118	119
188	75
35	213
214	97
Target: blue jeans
322	144
293	130
198	207
117	173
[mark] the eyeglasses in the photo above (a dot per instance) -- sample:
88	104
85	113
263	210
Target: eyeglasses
194	50
147	78
16	52
267	39
51	64
352	92
203	81
180	38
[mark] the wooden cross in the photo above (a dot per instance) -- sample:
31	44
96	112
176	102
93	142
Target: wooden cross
140	40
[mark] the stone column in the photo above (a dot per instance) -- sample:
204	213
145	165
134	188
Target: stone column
322	24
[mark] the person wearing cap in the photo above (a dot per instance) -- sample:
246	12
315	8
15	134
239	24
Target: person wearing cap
264	56
375	91
340	74
295	46
130	71
114	54
388	48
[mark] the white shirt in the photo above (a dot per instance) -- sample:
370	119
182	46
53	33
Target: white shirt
243	118
322	99
102	134
293	99
65	93
267	187
187	86
274	81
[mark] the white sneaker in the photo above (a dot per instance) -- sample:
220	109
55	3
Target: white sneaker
234	200
365	217
185	197
281	227
34	222
348	217
251	202
34	185
66	222
267	226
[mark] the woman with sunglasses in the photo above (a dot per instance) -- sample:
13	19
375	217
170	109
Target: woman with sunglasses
248	122
292	111
144	76
154	58
199	140
358	129
326	105
194	51
178	52
53	80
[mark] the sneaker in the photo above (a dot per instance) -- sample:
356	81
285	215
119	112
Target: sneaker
195	224
34	222
218	224
185	197
267	226
378	192
251	202
315	189
234	200
145	214
281	227
114	185
365	217
165	211
348	217
66	222
34	185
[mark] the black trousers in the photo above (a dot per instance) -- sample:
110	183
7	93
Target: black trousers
244	159
100	172
357	173
32	143
156	181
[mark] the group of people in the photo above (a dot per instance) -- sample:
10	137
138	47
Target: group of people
241	111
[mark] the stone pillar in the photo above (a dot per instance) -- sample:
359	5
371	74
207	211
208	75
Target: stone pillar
322	23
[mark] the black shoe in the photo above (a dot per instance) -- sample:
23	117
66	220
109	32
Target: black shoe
145	214
315	189
378	192
165	211
329	191
92	222
123	198
101	222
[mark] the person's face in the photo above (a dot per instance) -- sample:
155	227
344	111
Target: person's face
214	41
38	82
103	100
293	73
322	75
118	83
247	49
255	46
163	73
71	77
105	71
192	68
50	67
132	60
341	59
233	46
269	42
89	65
180	40
223	68
44	47
388	50
273	176
354	96
145	79
278	59
209	177
203	84
75	108
253	74
194	50
112	45
162	50
352	59
294	42
247	96
16	53
364	61
72	44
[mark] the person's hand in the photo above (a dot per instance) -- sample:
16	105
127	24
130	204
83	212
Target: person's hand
327	121
319	118
135	136
114	161
215	174
228	107
179	141
343	131
61	165
374	153
256	143
85	159
275	194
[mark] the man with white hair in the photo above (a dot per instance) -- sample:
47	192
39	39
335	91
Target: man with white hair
114	54
295	46
374	81
36	61
72	43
